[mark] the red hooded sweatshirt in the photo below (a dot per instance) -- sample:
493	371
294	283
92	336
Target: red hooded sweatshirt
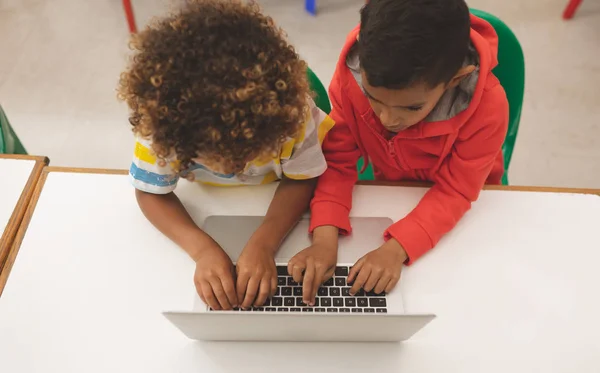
458	155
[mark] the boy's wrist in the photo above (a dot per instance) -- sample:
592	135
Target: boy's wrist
197	243
326	234
264	238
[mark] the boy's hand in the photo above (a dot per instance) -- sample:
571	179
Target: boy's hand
379	270
256	275
311	267
315	264
214	278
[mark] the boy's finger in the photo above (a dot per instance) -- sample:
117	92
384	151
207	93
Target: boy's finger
219	292
263	293
361	278
251	291
209	296
392	284
372	280
241	285
355	269
229	288
382	284
291	265
298	272
308	280
319	274
273	284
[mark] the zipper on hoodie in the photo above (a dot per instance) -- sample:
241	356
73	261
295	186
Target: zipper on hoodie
391	149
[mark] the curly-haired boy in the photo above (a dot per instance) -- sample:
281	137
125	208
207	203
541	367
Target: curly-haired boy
217	95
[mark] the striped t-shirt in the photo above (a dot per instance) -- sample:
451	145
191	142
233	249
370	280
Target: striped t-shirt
299	158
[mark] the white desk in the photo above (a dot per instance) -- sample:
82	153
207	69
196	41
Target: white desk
515	288
18	175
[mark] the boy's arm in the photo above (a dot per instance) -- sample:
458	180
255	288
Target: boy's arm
168	215
330	207
155	182
333	195
289	203
459	180
213	277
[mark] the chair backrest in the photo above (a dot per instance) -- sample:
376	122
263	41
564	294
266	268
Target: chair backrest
511	73
9	142
321	98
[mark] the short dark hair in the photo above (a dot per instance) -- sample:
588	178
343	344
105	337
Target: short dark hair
402	42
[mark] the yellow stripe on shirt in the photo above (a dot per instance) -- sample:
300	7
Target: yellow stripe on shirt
287	149
144	154
324	127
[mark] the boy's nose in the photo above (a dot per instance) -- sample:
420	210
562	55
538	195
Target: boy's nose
386	119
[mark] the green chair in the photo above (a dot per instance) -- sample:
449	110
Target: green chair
511	73
9	142
321	98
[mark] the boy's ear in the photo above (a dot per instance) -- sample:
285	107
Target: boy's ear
460	75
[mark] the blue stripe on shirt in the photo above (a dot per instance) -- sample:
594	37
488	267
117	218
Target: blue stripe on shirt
152	178
196	166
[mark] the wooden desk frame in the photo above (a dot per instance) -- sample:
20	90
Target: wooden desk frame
10	231
40	185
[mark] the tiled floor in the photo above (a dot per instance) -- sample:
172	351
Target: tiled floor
60	61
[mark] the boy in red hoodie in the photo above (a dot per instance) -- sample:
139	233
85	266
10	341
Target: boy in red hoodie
414	94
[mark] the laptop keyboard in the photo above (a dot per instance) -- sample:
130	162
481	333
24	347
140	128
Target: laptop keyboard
333	296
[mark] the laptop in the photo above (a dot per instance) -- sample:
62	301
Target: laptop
336	315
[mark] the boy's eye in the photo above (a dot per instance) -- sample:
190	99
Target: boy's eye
415	108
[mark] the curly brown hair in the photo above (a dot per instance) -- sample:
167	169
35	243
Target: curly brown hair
216	80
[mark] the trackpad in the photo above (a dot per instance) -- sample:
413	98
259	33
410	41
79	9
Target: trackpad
233	232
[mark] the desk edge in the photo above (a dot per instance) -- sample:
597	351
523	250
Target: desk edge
17	217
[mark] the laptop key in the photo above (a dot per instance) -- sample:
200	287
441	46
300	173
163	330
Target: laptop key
295	309
326	302
278	291
270	309
277	301
291	282
360	292
345	310
369	310
338	302
334	292
377	302
357	310
300	302
282	271
281	281
267	302
297	291
340	281
362	302
374	294
381	310
350	302
320	309
316	302
258	308
307	310
283	309
286	291
345	292
323	292
332	310
289	302
341	271
328	282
